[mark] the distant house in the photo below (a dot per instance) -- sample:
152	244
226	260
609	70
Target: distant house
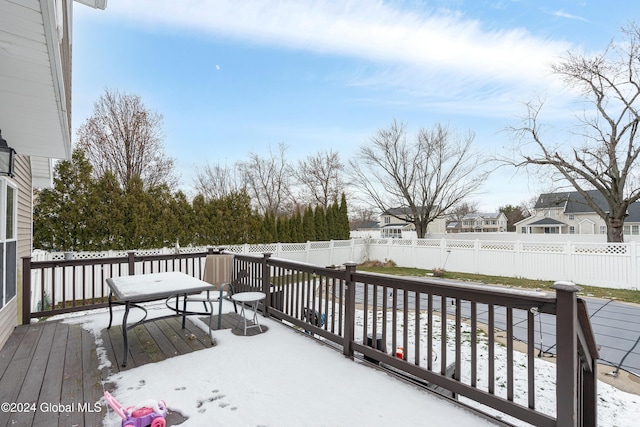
397	223
495	222
569	213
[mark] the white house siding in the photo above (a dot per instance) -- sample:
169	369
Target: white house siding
9	314
8	321
24	217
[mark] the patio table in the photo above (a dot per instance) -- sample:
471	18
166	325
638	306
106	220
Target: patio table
132	290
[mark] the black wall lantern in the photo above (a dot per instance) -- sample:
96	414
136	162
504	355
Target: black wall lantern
7	156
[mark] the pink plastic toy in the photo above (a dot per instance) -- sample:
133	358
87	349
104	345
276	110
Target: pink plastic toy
149	413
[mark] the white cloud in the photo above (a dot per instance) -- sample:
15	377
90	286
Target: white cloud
563	14
374	30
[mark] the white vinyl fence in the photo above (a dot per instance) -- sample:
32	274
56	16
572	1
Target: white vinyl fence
609	265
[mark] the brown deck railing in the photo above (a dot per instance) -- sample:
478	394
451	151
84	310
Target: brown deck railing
374	316
64	286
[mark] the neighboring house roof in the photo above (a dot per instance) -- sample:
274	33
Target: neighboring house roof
404	212
571	201
397	227
398	211
633	213
547	221
485	215
368	225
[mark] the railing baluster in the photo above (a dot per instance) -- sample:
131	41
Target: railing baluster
374	317
394	321
84	286
405	329
53	288
531	359
458	362
64	288
365	311
342	303
492	357
334	289
474	344
430	331
510	354
416	330
443	335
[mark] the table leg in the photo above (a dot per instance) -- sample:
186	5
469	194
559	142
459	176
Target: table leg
184	310
243	317
124	334
110	310
254	306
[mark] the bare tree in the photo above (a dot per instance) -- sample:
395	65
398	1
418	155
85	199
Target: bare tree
217	181
124	137
268	180
604	152
426	177
321	178
459	210
363	216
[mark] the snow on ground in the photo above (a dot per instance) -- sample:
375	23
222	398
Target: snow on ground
282	378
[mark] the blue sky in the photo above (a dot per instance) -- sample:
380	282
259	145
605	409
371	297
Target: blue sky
237	76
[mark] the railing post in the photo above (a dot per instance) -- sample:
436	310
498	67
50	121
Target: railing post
266	283
132	263
26	290
567	394
349	309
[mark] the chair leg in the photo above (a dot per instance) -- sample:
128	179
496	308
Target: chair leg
211	322
220	314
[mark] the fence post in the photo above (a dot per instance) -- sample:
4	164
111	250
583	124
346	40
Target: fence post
132	263
633	248
26	290
567	353
349	309
266	283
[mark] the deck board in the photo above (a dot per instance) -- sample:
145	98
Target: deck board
91	381
53	376
57	363
72	392
14	375
32	383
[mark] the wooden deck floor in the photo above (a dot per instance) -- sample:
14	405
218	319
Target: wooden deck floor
50	376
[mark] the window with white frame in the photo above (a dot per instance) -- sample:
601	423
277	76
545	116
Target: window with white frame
603	229
8	241
572	229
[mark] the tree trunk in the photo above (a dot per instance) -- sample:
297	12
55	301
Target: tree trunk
615	227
